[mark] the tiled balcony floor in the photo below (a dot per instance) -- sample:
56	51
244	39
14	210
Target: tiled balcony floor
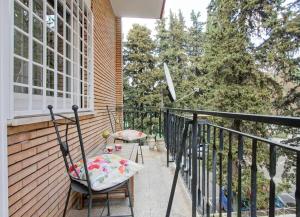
152	190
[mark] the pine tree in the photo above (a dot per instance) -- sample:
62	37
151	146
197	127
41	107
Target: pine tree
139	68
195	40
236	83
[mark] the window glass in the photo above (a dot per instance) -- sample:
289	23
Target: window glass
60	27
20	44
20	71
60	45
37	29
38	7
60	8
51	2
60	63
37	52
60	82
50	79
21	17
50	58
37	76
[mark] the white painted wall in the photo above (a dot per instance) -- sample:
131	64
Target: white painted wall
5	71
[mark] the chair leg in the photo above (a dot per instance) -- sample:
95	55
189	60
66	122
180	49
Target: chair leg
129	198
141	153
67	202
108	205
90	206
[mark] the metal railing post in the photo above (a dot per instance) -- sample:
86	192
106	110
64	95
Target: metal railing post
194	165
167	137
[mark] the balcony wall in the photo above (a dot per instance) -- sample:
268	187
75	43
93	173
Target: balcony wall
37	178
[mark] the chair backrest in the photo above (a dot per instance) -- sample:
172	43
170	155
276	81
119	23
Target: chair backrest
63	142
111	119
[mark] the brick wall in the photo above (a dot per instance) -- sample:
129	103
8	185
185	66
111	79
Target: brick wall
37	177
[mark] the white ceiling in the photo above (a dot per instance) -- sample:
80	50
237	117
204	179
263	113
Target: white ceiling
138	8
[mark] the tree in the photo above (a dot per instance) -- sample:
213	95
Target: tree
235	80
139	68
195	40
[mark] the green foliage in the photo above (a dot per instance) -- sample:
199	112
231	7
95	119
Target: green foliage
232	61
140	74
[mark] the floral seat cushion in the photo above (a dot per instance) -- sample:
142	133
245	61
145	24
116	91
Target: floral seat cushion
129	135
105	171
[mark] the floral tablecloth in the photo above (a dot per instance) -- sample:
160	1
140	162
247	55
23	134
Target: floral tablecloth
105	171
129	135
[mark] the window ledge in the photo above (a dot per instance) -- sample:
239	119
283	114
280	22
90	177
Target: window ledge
42	118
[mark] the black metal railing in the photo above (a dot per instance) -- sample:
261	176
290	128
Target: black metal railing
213	160
149	120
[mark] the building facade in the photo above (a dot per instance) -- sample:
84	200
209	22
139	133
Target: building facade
58	52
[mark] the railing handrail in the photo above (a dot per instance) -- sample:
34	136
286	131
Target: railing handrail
289	121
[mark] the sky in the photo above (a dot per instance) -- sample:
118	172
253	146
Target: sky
186	7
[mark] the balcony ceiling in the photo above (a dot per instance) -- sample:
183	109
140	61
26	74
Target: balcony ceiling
152	9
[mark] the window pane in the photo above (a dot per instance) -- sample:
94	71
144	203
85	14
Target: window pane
51	2
68	84
75	25
37	29
21	44
19	89
38	7
75	10
60	63
60	8
60	94
37	92
60	27
60	82
21	17
60	45
50	38
68	50
37	52
50	59
68	34
50	79
20	71
68	17
25	2
49	93
50	18
37	76
69	3
68	67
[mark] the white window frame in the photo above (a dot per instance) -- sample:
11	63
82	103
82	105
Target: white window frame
5	66
88	105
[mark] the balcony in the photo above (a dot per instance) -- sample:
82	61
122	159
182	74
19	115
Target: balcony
200	156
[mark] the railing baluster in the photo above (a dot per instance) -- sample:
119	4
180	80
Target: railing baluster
240	162
253	178
199	166
194	165
221	136
190	160
214	173
297	193
178	162
272	183
229	177
159	124
167	136
203	167
207	173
